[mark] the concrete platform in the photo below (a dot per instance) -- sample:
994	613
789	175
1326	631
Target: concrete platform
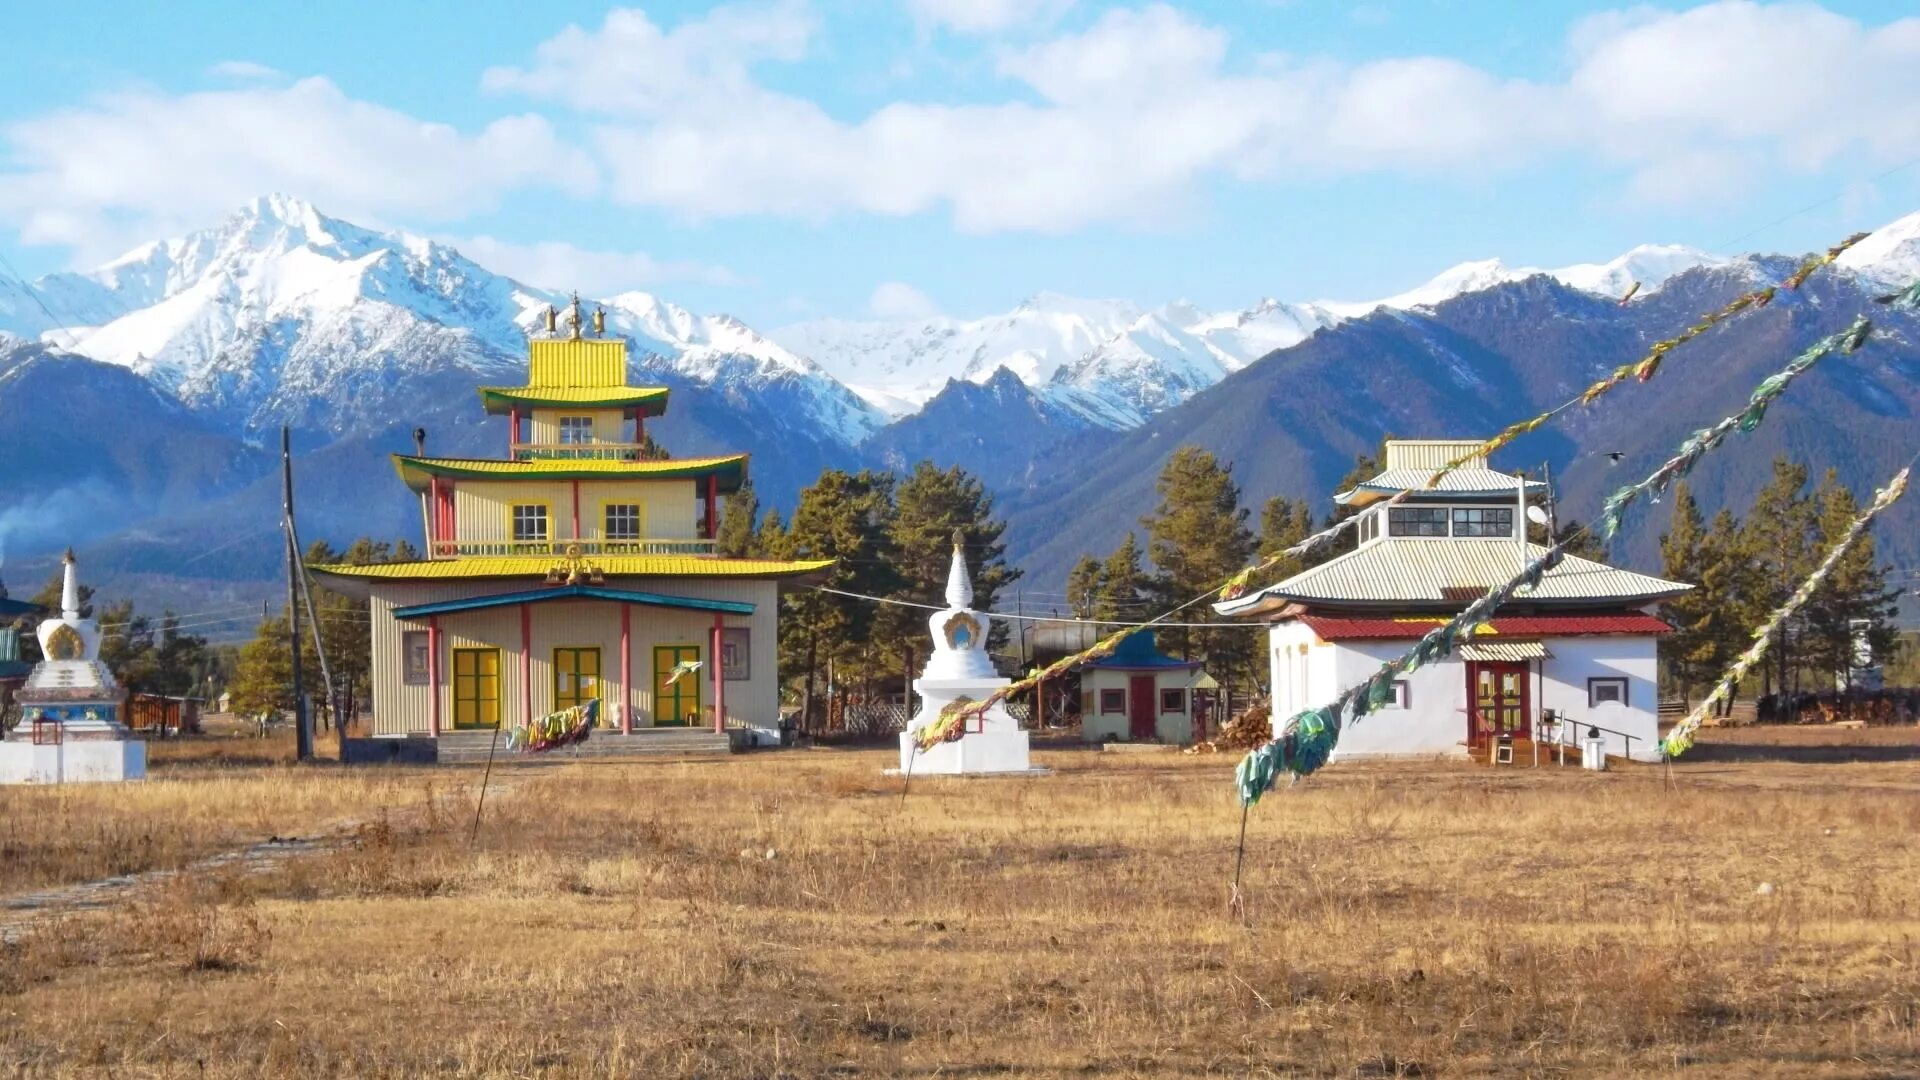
75	761
472	747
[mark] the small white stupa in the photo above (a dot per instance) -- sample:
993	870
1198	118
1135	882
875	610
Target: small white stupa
961	671
70	727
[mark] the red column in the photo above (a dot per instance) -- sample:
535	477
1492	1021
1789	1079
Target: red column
513	428
713	496
433	516
626	669
526	663
719	676
433	676
576	509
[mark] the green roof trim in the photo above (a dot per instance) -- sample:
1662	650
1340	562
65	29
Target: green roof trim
731	469
636	400
574	592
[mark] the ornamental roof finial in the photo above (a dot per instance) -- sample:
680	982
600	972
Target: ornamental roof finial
575	316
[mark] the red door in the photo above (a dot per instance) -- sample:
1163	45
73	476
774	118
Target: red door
1140	707
1497	699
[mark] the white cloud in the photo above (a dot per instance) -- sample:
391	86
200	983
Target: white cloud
985	16
128	167
245	71
1131	114
898	301
558	265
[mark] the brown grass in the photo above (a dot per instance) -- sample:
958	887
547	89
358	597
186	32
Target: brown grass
628	920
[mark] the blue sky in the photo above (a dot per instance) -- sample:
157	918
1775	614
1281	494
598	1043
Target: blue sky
782	159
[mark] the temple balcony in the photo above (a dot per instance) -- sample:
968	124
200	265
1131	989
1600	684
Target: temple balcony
593	451
455	549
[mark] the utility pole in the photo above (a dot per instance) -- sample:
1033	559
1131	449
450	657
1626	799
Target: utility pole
303	731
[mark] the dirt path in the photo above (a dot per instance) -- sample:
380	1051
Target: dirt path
20	911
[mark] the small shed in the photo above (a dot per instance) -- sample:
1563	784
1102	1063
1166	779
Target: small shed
1140	694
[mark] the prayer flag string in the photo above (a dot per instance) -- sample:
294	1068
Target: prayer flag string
1697	444
1680	739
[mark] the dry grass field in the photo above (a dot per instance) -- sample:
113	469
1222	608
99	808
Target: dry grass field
788	914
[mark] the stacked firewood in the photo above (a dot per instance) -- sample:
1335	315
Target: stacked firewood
1249	728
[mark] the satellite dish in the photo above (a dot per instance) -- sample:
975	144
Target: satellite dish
1536	515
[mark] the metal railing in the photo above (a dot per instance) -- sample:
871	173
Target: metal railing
1563	726
560	549
596	451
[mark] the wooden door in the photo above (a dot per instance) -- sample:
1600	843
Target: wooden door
1142	707
1497	702
476	688
676	703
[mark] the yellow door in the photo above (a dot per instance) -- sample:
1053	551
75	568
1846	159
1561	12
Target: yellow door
676	702
476	688
576	677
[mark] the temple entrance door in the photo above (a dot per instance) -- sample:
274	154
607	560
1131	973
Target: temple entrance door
1497	696
676	701
1140	707
476	688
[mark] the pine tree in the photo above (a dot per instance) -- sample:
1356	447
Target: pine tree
735	539
263	679
1689	650
1122	584
1084	585
1856	591
1729	585
1198	538
844	517
1778	536
1283	523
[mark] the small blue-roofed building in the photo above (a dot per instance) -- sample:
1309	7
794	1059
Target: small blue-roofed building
1140	694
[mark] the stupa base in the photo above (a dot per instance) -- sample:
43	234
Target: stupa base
74	761
979	753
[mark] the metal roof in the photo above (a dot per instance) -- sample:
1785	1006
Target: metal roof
534	566
731	469
573	592
1462	481
644	400
1446	571
1347	628
1504	650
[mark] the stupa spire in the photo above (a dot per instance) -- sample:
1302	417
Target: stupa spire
69	588
959	585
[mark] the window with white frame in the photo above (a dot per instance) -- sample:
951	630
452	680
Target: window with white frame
1416	521
1483	521
622	521
576	430
530	523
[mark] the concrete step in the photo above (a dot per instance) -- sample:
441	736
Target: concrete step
472	747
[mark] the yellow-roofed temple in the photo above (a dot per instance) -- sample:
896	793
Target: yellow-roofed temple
580	568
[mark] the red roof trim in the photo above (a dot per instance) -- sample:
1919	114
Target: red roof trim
1331	628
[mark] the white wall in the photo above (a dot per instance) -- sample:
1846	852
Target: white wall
1632	657
1436	722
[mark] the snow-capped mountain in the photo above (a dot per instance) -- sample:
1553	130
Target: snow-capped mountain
281	314
1115	365
899	366
1890	256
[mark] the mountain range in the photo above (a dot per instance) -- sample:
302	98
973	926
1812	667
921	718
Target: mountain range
164	373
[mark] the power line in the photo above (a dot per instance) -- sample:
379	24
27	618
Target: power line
1053	619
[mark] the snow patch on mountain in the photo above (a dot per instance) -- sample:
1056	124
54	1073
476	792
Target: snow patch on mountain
899	366
1889	256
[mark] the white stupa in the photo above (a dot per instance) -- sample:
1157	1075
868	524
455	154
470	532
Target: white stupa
70	727
960	671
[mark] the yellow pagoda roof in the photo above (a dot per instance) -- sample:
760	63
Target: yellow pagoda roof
537	566
577	363
640	400
416	472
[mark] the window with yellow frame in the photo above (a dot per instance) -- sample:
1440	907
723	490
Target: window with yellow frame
623	521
